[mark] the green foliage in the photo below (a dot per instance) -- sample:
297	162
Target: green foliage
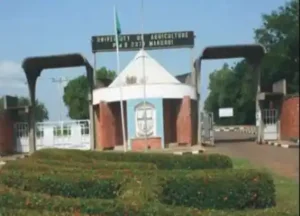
104	73
280	35
71	165
76	93
87	185
220	190
292	96
162	161
232	87
20	203
15	199
27	212
75	98
41	110
236	87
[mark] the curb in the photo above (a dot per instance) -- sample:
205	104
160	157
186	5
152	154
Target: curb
195	152
208	145
235	129
277	144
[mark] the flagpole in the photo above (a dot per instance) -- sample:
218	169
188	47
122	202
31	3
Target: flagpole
144	72
121	92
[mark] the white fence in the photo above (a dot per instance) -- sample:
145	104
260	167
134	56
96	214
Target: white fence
64	134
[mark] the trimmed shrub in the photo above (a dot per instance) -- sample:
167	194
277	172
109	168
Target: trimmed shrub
104	185
71	166
219	190
29	212
141	189
162	161
20	203
25	200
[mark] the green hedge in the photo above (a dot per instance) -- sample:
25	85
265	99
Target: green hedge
162	161
236	189
84	185
71	166
13	199
20	203
200	189
29	212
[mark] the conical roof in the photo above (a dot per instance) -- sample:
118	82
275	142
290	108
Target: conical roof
133	73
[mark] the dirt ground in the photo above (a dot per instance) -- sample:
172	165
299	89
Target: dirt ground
282	161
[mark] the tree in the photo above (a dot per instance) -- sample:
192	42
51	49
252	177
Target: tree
104	73
232	87
76	92
41	111
280	35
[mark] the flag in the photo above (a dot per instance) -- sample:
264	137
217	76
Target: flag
117	27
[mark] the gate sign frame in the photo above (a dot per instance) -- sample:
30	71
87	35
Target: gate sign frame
152	41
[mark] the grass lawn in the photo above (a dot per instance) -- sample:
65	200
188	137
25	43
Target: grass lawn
287	197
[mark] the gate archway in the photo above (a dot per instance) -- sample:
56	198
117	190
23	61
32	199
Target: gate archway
253	53
33	67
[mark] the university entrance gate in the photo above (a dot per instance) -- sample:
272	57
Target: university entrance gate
253	54
210	133
61	134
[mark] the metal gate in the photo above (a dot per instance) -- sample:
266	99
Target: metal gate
63	134
270	120
207	128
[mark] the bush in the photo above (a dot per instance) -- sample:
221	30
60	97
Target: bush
162	161
26	203
141	189
104	185
29	212
13	199
219	190
71	166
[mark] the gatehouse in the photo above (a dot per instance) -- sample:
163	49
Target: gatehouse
158	108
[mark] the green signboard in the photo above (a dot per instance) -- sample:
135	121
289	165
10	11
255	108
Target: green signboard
130	42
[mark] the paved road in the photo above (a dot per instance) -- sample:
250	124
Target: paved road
280	160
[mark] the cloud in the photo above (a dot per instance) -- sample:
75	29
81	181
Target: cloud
11	75
10	68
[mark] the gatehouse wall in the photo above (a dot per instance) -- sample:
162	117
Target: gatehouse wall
289	118
6	133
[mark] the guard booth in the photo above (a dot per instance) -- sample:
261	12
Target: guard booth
270	104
